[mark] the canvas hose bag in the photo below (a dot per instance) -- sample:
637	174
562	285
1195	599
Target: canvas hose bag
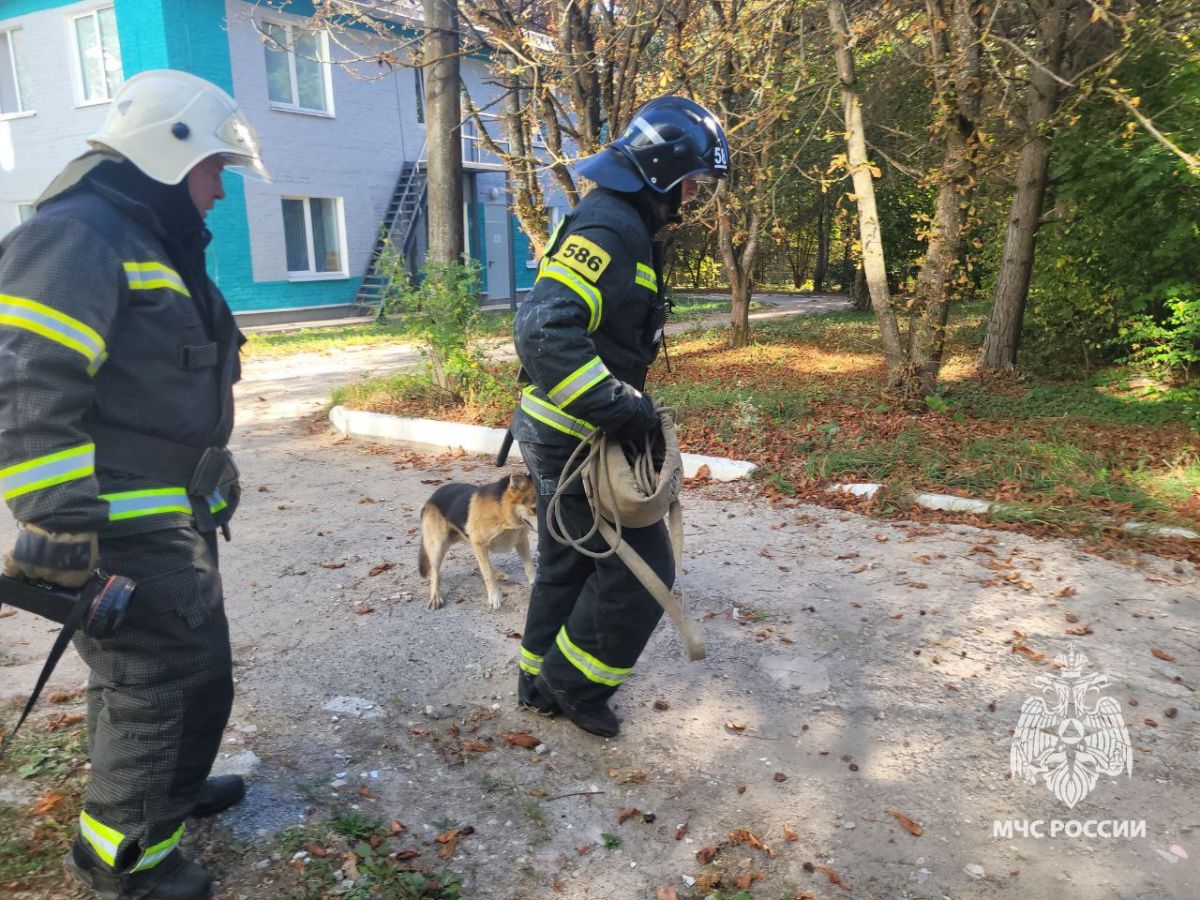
635	492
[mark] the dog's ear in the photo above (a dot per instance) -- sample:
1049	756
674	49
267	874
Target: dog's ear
519	482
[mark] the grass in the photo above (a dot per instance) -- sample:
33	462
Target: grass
51	760
806	401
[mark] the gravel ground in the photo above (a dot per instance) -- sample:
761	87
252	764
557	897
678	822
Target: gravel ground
857	670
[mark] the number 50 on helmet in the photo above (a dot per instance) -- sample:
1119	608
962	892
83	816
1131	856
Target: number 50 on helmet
668	140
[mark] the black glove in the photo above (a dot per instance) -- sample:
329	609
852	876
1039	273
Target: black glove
67	560
643	420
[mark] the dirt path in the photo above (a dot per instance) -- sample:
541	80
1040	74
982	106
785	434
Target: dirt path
856	669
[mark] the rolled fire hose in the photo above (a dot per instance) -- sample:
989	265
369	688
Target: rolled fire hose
632	494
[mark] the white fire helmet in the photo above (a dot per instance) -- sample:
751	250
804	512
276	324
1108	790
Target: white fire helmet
165	122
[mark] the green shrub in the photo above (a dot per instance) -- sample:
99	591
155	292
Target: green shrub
1167	349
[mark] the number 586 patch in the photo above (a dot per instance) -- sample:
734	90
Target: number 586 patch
583	256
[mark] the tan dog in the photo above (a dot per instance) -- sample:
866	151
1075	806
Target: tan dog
489	517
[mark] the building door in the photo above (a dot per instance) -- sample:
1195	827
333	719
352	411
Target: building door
498	238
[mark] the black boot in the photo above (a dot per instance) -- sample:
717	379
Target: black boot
218	794
595	719
175	878
529	697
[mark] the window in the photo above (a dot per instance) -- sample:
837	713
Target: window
419	87
297	76
14	76
24	211
312	232
99	55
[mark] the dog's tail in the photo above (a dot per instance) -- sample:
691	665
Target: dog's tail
422	556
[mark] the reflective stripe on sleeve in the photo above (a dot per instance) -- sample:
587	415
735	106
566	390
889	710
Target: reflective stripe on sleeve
645	277
587	292
592	668
104	840
149	276
578	382
19	312
551	415
150	502
530	662
47	471
152	856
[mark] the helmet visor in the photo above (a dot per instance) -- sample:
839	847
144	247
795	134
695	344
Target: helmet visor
242	153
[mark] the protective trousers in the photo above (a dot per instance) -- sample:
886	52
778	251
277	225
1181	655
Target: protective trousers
158	697
589	619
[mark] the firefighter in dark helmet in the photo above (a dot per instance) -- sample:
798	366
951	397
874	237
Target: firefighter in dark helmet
118	357
586	336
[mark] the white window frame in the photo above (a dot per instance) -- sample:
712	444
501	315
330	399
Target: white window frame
340	214
324	62
21	111
81	98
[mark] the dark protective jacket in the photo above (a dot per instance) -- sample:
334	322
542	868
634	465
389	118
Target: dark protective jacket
592	324
108	319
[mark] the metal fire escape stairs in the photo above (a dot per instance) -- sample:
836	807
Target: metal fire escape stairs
397	234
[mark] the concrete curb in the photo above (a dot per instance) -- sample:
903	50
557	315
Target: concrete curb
950	503
477	439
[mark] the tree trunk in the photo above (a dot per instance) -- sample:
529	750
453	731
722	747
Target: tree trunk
1016	265
822	267
443	131
846	282
861	297
864	189
956	50
739	317
739	268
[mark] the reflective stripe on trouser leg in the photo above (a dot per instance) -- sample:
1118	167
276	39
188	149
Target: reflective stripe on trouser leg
160	691
612	619
529	662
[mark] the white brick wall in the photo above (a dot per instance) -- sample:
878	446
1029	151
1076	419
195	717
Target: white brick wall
34	148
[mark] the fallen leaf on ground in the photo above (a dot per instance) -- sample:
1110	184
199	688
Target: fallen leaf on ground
364	793
628	776
703	473
1032	654
1162	654
449	841
707	882
397	827
666	893
743	881
63	720
835	878
381	568
681	831
626	814
363	608
411	853
520	739
316	850
1071	617
789	833
735	726
586	849
1080	630
515	635
850	555
64	696
333	565
706	855
477	746
779	776
746	836
919	585
1066	592
913	828
49	801
805	895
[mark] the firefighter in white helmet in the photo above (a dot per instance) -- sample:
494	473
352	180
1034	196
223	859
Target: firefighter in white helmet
118	358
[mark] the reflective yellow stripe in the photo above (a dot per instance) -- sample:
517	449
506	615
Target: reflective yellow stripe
592	668
47	471
216	502
530	662
590	295
581	380
149	276
156	854
20	312
104	840
551	415
151	502
645	277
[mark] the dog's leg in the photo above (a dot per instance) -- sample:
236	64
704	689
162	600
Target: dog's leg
494	596
435	543
522	544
